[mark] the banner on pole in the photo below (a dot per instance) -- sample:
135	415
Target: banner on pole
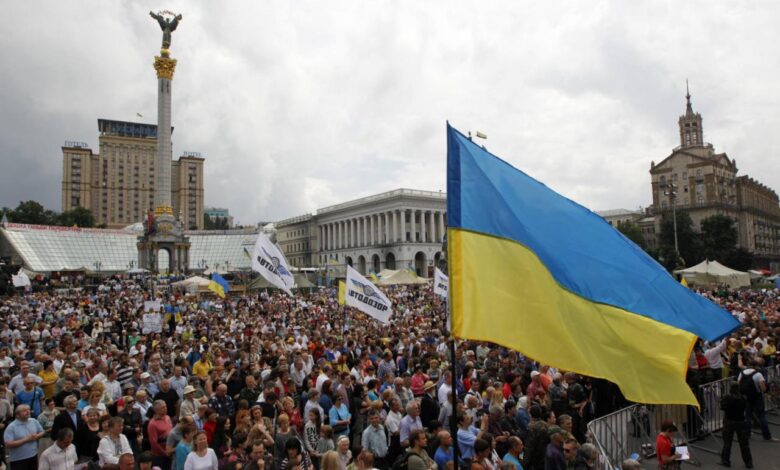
441	283
152	306
269	261
366	297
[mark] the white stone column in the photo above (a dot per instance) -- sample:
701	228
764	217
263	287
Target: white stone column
413	228
422	226
387	227
365	230
351	233
395	226
370	239
403	225
431	228
373	228
441	227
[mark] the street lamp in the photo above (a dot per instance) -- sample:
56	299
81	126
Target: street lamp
97	265
671	191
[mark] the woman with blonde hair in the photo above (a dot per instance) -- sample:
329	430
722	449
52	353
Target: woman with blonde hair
496	398
95	401
296	421
330	461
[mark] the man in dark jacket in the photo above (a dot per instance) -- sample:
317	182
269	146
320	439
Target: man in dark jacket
734	421
429	406
69	418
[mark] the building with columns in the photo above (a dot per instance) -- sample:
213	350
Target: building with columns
398	229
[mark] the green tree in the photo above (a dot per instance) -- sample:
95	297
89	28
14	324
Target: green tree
718	237
31	212
688	240
632	232
78	216
215	223
739	259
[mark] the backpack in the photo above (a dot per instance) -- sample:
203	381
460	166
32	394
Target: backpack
402	461
747	386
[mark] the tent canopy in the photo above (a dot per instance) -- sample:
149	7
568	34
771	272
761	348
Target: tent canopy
389	277
196	281
301	282
713	273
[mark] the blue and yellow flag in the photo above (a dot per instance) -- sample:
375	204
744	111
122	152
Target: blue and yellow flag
534	271
219	285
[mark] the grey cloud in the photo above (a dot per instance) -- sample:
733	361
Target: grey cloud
302	104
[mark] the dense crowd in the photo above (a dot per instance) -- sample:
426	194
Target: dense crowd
272	382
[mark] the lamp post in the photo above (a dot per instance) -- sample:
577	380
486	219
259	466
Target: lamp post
671	191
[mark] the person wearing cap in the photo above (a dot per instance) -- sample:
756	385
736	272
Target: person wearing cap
535	391
668	459
189	406
429	406
147	384
553	455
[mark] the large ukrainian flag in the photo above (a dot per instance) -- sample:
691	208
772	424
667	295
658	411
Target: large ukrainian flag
536	272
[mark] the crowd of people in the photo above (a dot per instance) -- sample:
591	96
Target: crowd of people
266	381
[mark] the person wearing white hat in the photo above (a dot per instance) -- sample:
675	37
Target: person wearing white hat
189	407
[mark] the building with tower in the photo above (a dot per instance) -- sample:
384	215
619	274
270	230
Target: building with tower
697	179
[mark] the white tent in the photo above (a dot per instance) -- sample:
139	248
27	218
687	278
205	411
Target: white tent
709	273
195	282
390	277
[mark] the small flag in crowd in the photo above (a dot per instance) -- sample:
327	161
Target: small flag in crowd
441	283
219	285
20	279
366	297
537	272
342	292
684	282
269	261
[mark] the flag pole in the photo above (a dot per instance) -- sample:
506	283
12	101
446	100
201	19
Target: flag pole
453	365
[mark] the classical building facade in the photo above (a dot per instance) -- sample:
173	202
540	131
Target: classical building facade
117	184
696	179
400	229
297	237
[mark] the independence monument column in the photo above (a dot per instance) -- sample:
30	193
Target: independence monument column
163	230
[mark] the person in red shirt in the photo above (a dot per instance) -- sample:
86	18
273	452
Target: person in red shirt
159	427
668	459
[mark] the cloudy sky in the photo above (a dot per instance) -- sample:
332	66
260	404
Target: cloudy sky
301	104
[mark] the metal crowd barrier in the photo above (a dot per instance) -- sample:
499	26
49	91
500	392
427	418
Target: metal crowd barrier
772	379
634	429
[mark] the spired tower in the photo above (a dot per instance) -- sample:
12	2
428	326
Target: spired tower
691	132
163	230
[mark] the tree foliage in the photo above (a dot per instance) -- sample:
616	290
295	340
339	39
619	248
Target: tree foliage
718	236
688	241
633	232
33	212
215	223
